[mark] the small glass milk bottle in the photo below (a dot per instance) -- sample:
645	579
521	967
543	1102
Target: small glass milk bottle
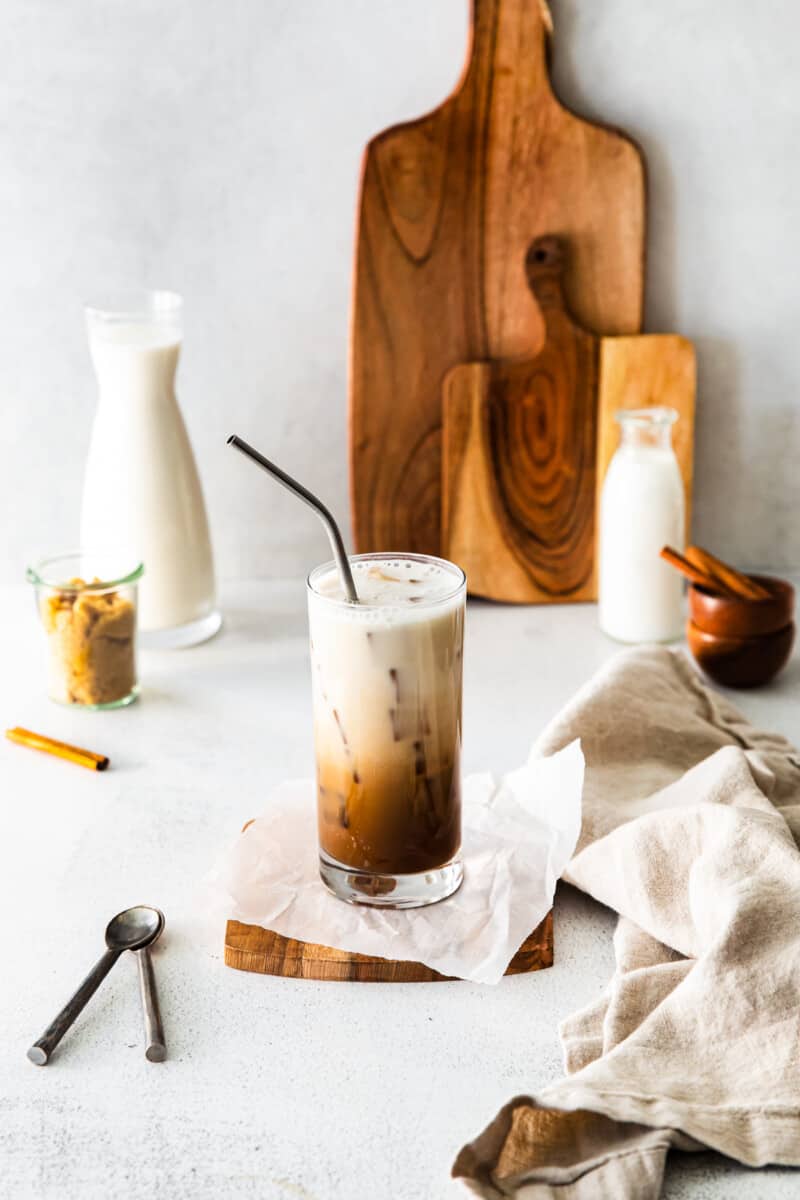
142	491
641	510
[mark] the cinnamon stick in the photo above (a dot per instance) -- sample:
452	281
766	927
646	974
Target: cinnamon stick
732	580
696	574
38	741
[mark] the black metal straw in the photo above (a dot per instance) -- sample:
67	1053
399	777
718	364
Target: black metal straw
331	528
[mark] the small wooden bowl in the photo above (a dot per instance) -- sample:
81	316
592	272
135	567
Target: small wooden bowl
731	616
741	662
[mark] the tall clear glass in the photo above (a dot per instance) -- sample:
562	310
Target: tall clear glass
141	489
641	510
386	678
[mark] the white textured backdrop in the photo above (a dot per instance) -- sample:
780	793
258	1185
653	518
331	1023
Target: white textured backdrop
214	149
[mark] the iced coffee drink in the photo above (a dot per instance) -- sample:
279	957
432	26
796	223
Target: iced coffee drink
387	727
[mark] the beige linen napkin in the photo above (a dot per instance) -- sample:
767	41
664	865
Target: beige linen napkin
689	816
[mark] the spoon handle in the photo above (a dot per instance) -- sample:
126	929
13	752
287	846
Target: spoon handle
155	1048
40	1051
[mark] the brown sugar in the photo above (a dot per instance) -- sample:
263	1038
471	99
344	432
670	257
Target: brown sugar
91	639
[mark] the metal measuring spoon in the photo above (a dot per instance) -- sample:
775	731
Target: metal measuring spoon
155	1048
129	930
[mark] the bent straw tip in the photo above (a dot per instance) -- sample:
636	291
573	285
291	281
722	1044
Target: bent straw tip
292	485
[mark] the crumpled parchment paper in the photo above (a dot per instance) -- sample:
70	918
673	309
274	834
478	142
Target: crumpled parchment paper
518	836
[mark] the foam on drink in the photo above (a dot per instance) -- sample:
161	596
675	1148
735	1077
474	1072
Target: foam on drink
394	583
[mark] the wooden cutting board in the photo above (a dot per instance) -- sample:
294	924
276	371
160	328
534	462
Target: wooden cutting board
449	204
251	948
526	445
519	457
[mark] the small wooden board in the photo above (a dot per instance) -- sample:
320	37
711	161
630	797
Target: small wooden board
518	465
526	446
251	948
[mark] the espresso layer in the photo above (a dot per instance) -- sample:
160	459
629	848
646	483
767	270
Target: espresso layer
390	823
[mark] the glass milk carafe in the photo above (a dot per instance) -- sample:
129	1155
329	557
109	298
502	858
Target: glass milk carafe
641	510
142	492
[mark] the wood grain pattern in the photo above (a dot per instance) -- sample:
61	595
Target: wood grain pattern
526	446
251	948
448	206
518	467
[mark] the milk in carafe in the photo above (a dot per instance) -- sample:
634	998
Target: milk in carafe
142	491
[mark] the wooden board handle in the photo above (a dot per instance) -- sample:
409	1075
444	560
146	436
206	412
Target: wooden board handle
535	12
512	23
